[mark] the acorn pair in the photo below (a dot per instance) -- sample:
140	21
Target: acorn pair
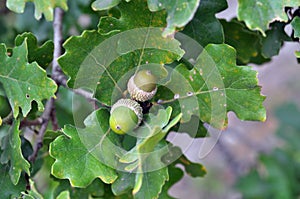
127	114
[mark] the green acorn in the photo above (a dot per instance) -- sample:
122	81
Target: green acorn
142	86
125	115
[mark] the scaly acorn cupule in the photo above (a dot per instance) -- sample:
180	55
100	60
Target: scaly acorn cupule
142	86
125	116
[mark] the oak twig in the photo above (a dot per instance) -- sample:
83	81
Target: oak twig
36	122
58	38
56	73
54	121
39	140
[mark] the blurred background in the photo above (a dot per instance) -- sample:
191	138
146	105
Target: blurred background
245	163
251	159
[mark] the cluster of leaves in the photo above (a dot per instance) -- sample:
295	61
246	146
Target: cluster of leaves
80	160
277	174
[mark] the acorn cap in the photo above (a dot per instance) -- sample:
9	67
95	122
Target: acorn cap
141	90
133	105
